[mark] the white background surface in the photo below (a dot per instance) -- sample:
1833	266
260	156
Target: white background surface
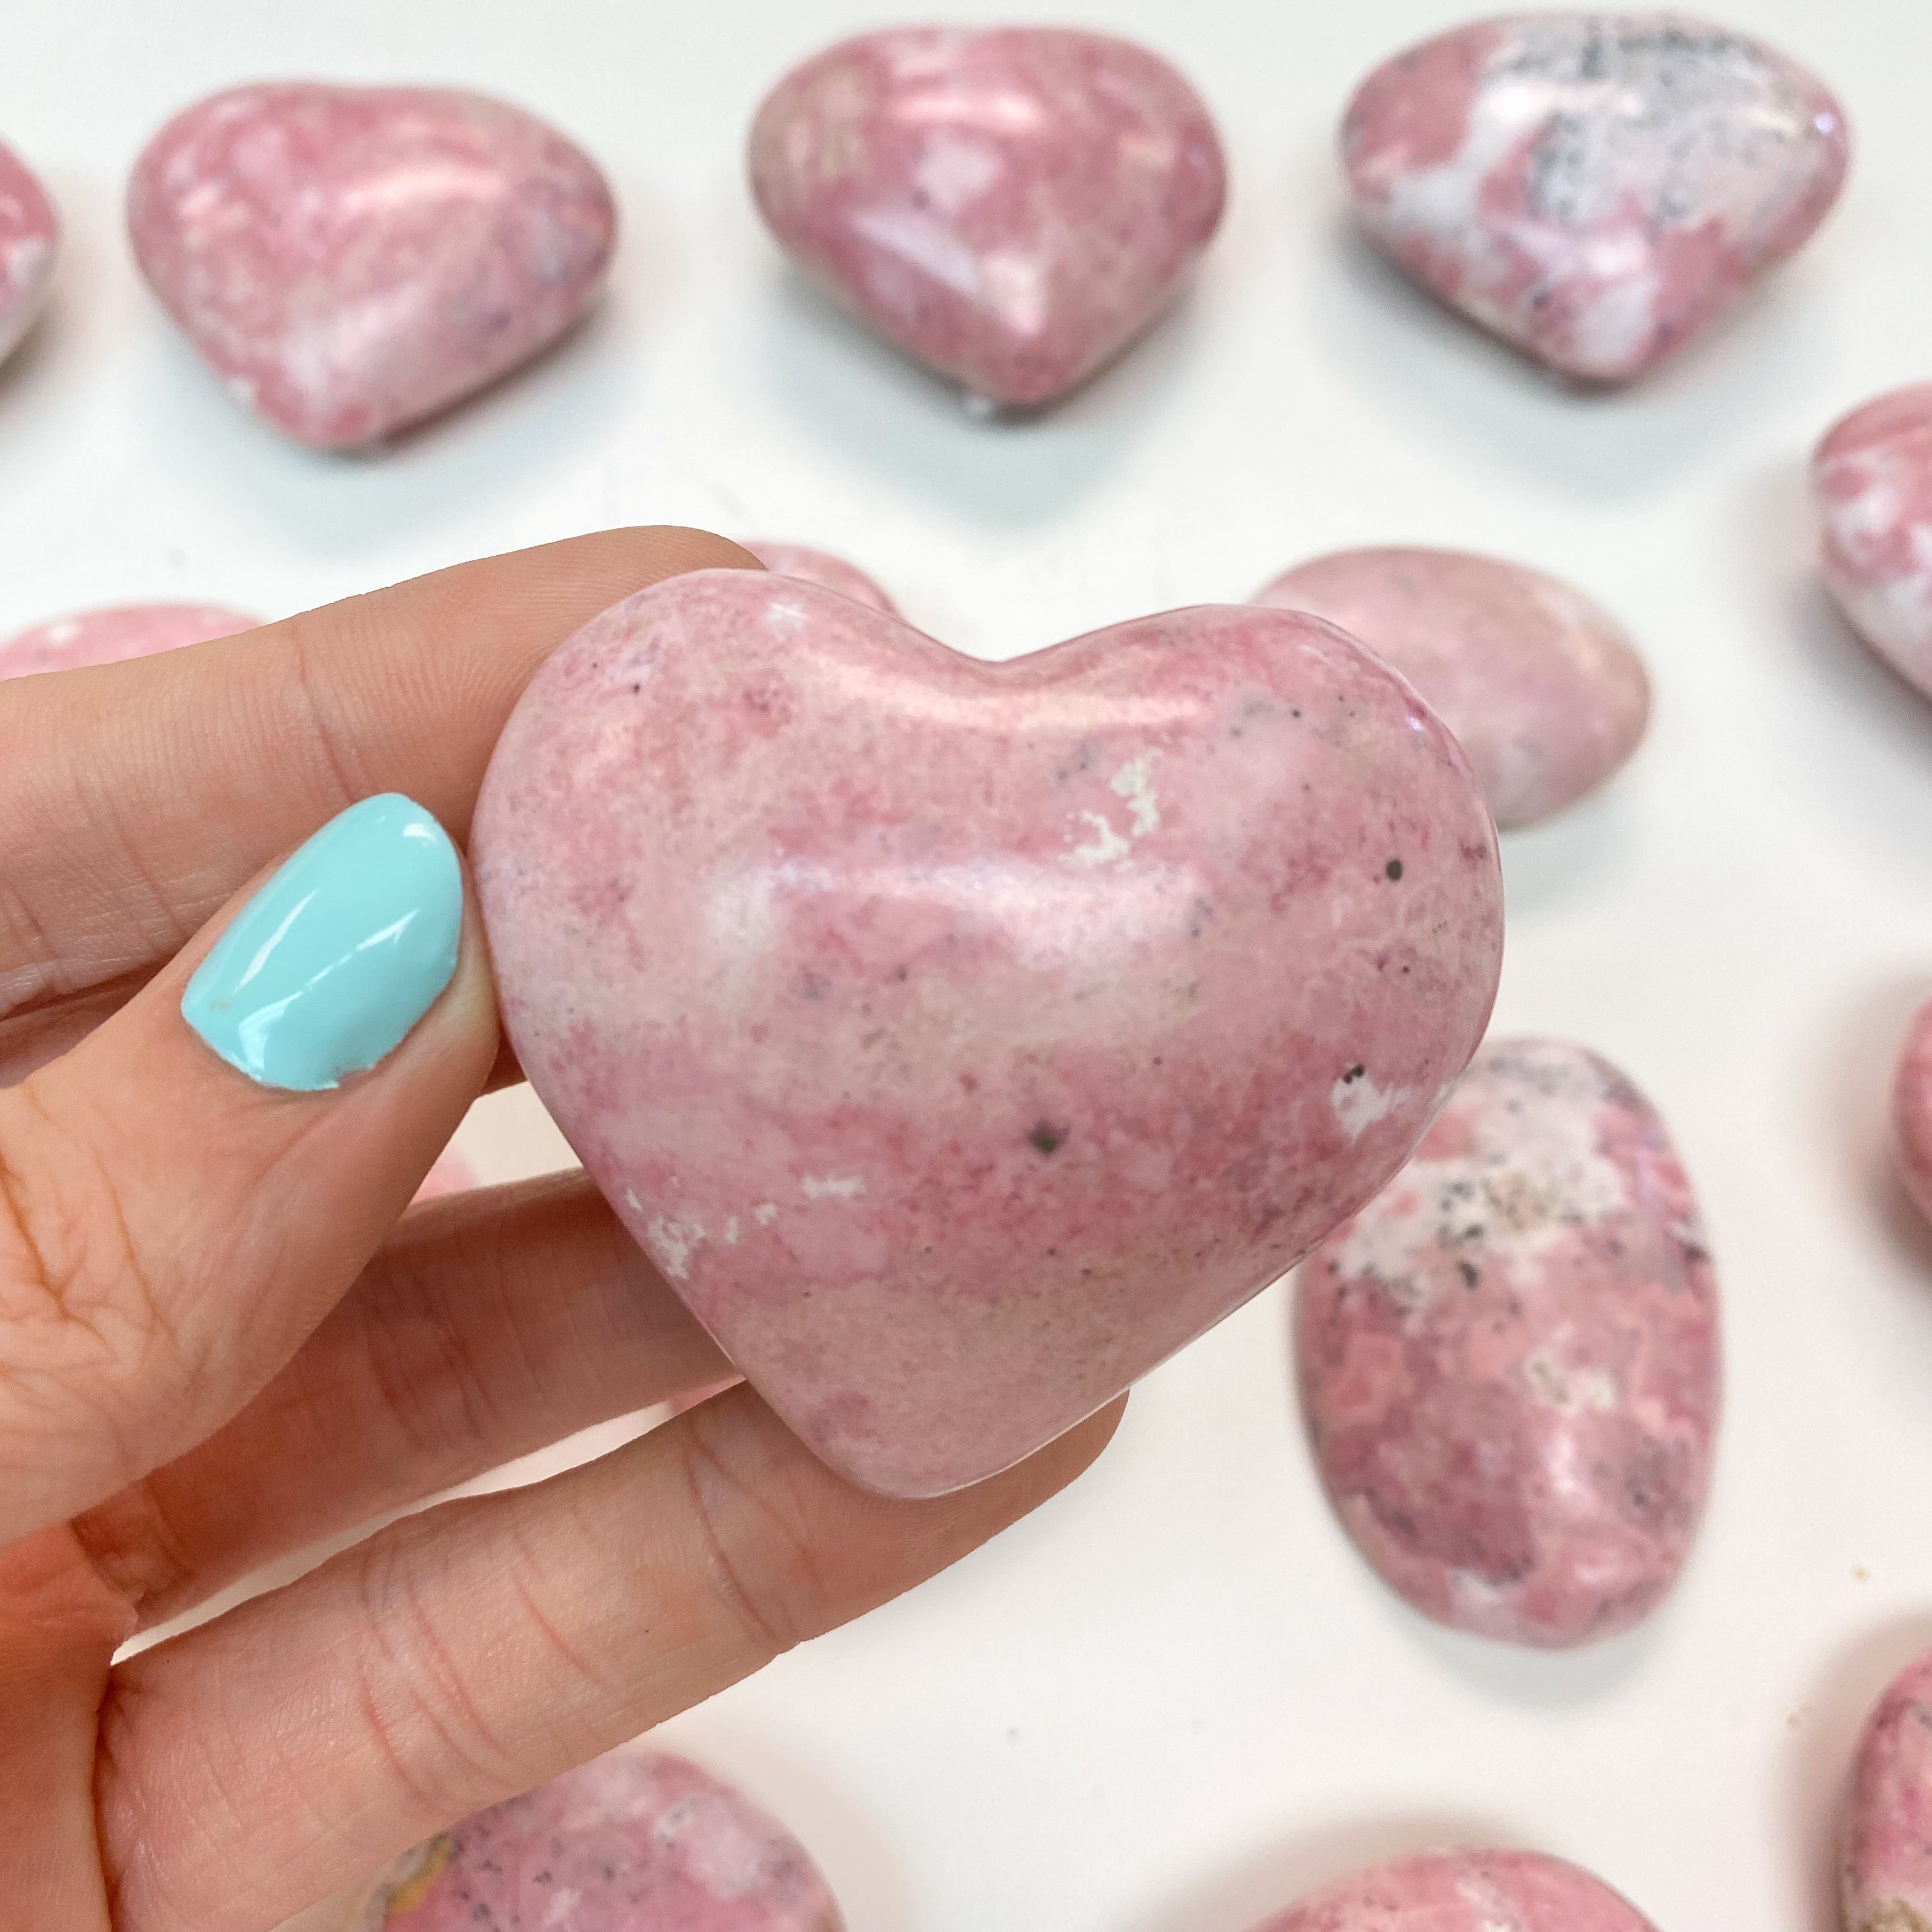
1176	1697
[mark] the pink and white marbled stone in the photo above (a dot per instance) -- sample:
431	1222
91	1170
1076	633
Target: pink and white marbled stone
630	1843
29	240
1011	206
452	1174
962	1039
1510	1360
352	259
1593	187
1466	1892
1887	1872
1542	688
1871	479
821	566
115	634
1912	1111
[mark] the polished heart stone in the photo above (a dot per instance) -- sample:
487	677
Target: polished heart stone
1013	207
1912	1111
1510	1358
1871	479
962	1039
1594	187
29	240
115	634
1541	687
820	566
1887	1870
352	259
630	1843
1466	1892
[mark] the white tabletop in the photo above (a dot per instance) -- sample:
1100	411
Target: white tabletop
1177	1697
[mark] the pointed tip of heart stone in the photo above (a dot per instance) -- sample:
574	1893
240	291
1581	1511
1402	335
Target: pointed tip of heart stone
114	634
1010	206
29	241
1466	1892
1594	187
352	260
1509	1359
962	1039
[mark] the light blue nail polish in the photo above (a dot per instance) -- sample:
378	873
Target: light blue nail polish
326	969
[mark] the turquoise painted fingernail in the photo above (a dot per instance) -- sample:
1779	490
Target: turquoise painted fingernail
324	971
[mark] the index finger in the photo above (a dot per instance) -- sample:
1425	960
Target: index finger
136	799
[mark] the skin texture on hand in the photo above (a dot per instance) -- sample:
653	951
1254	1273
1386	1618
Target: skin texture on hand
219	1343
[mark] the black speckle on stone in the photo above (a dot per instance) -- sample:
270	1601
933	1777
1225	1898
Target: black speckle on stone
904	973
1470	1273
1393	869
1047	1138
635	689
1354	1074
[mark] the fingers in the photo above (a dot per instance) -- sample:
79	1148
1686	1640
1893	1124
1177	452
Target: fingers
135	799
469	1653
186	1193
487	1326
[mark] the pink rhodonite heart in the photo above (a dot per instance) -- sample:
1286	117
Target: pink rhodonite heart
1013	207
1466	1892
1594	187
114	634
962	1039
29	240
352	259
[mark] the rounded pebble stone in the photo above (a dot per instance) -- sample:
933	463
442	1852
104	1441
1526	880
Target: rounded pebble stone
1887	1870
932	1038
1011	206
1466	1892
29	241
115	634
1871	480
1594	187
352	259
1543	688
821	566
633	1842
1510	1359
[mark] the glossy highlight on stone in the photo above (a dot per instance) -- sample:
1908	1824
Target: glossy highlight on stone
1871	479
1510	1359
352	259
821	566
1594	187
1466	1892
29	241
1542	688
635	1842
962	1039
1012	206
1887	1870
114	634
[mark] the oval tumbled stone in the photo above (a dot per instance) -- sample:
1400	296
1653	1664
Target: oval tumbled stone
1510	1358
821	566
1542	687
1871	479
629	1843
1593	187
1887	1874
1466	1892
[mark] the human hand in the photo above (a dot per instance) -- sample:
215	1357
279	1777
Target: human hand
218	1343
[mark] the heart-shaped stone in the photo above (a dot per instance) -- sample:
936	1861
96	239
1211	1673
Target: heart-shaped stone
962	1039
114	634
1594	187
1510	1358
635	1842
1466	1892
1871	479
29	240
1012	206
1541	687
352	259
1887	1875
821	566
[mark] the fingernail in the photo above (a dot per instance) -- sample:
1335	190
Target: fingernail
324	971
